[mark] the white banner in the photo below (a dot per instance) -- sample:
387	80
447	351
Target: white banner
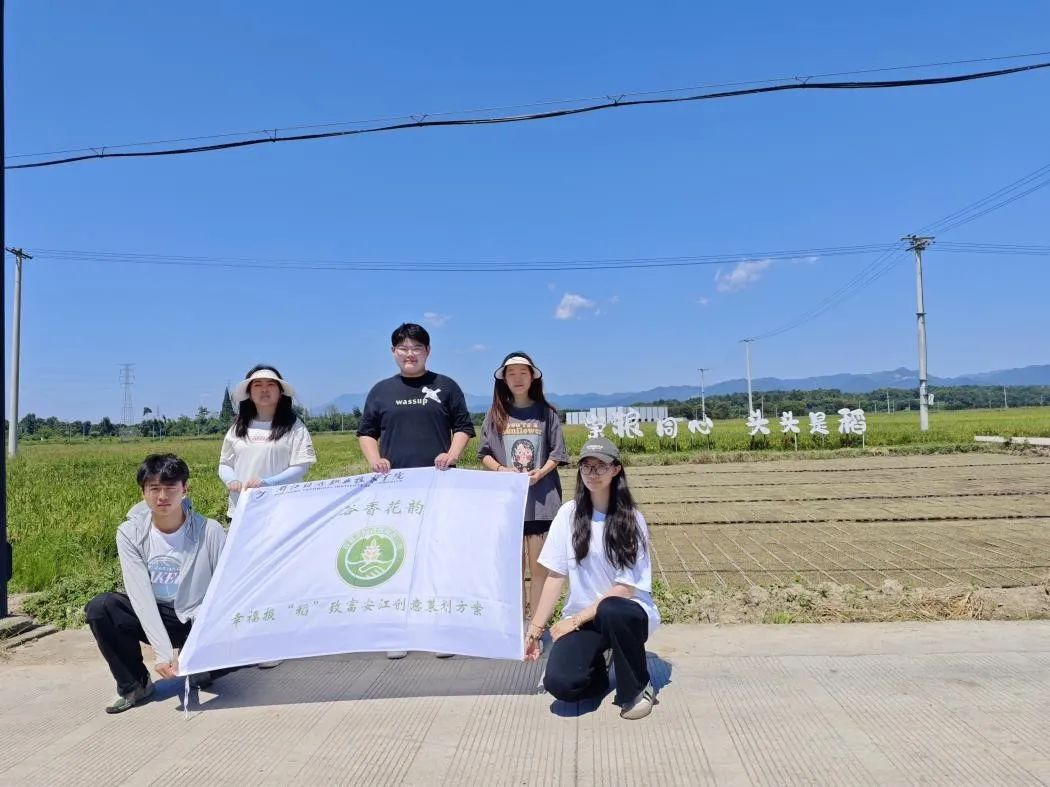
416	559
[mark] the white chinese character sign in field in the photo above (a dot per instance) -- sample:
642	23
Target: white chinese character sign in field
625	427
413	560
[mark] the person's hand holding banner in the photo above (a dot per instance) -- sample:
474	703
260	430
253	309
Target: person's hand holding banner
415	559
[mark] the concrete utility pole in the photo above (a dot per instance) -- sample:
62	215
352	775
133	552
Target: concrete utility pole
16	340
703	406
1006	405
5	547
918	245
750	400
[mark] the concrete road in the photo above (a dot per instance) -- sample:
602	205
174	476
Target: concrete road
912	703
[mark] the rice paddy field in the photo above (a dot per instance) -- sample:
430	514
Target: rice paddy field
922	509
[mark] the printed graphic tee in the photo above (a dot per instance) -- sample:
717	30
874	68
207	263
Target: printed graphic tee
532	436
167	556
414	418
257	456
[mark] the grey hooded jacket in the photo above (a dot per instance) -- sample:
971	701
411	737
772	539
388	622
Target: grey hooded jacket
204	541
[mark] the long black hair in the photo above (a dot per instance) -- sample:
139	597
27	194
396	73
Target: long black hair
623	538
502	398
284	417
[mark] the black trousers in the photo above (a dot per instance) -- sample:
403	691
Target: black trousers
118	633
576	665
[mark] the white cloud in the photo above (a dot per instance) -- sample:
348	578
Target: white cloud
703	300
571	305
478	348
614	299
742	275
435	319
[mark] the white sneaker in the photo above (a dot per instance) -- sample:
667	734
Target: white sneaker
642	705
396	654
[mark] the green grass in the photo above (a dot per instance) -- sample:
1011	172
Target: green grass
65	501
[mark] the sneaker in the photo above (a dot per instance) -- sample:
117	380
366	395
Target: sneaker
269	664
444	655
396	654
201	680
642	705
125	702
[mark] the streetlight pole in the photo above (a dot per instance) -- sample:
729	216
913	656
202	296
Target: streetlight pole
703	406
750	398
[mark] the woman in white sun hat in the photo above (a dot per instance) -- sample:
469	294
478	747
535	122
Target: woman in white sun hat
267	444
522	434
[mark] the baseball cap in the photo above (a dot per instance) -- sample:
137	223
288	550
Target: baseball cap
600	448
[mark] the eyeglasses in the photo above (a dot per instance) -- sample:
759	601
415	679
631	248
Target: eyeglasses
417	349
595	469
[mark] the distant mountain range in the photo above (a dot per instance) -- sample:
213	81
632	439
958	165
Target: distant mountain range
848	383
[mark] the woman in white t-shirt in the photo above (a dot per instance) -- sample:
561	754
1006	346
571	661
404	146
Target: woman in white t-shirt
601	543
267	444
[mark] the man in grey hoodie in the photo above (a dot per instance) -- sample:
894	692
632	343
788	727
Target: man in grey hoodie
167	555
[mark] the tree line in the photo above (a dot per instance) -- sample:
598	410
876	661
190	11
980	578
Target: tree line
963	397
719	407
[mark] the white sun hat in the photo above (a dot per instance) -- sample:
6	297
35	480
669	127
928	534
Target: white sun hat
240	393
517	358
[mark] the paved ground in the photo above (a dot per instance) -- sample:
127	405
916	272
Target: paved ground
932	703
924	521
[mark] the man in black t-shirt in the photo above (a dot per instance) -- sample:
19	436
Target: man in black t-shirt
416	418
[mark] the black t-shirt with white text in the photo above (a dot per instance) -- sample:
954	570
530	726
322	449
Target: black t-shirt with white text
414	418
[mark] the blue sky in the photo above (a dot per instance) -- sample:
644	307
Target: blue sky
737	176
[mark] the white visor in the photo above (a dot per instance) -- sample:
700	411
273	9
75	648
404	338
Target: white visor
240	393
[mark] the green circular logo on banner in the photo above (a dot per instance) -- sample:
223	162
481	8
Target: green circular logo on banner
370	557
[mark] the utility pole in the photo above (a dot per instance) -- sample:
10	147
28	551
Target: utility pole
5	547
703	406
127	377
16	340
918	245
1006	405
887	402
750	399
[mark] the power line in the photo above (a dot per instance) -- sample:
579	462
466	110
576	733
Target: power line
997	249
869	274
1018	189
544	103
1011	192
888	255
452	266
612	103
